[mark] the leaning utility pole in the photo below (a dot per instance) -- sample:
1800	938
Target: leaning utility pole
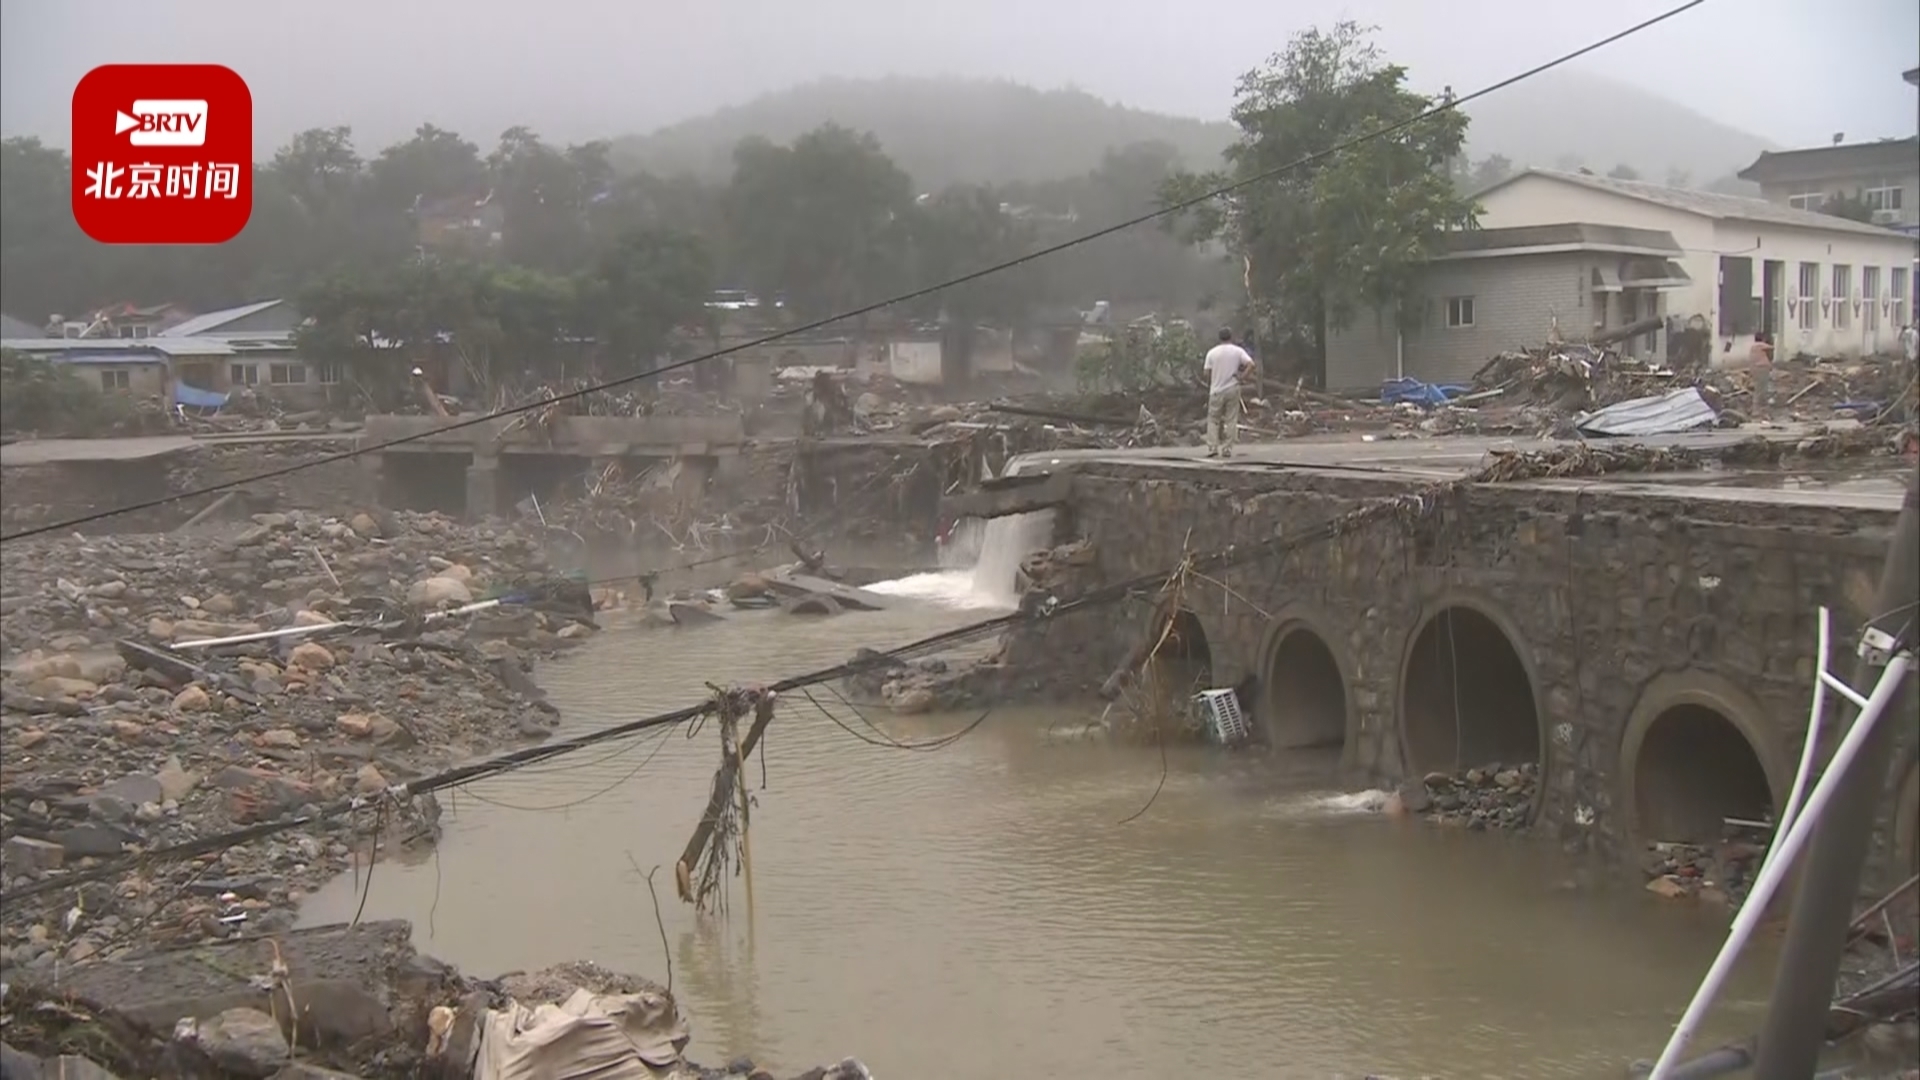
1795	1028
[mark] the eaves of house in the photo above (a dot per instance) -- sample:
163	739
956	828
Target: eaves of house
1883	157
1706	204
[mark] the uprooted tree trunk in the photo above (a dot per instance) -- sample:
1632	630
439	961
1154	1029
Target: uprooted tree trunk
724	823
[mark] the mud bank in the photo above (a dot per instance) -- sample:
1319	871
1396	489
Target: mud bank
336	1003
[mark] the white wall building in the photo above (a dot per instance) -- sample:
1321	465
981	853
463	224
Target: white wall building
1820	284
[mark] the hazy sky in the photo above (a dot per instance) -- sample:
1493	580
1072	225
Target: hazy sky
1794	71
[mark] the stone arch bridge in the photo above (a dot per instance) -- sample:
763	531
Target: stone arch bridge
1647	641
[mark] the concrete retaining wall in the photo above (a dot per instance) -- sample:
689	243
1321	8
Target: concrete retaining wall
39	494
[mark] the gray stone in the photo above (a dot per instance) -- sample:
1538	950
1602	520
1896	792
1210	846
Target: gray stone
96	841
74	1067
300	1070
15	1065
25	855
243	1041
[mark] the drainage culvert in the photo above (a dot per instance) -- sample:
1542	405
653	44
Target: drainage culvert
1465	696
1305	692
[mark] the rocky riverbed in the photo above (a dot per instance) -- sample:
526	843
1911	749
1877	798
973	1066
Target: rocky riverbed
122	737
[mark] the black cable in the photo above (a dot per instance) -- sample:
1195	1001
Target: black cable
928	290
505	763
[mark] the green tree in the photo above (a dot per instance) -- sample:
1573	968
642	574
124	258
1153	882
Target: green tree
52	399
1135	267
638	292
1624	172
1489	171
547	194
821	222
961	230
434	164
1344	233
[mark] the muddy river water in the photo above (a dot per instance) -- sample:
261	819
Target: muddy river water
980	911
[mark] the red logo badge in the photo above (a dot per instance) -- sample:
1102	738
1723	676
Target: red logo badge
162	153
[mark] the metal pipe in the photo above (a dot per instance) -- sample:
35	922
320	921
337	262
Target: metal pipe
1767	882
1795	1029
303	631
1808	748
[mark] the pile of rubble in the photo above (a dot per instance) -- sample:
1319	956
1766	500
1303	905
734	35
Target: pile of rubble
359	668
367	1006
1721	873
1492	796
1543	389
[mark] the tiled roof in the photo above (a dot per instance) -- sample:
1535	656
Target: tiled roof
1705	203
1884	155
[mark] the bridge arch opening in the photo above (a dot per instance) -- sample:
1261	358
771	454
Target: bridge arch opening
1694	769
1305	691
1466	698
1181	663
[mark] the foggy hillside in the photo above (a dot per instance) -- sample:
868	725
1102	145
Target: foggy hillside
941	131
1604	123
956	130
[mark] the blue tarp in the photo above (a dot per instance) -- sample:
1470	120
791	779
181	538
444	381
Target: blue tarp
1395	391
197	398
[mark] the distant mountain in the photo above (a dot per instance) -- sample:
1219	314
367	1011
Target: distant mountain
1565	116
941	131
945	131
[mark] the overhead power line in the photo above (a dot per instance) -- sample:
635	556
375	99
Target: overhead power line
1230	556
1032	256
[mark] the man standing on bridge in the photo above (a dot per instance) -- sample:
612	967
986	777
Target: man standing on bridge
1225	366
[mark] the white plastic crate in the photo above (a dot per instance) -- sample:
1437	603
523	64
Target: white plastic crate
1221	708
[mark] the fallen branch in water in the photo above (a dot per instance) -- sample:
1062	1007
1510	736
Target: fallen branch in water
720	836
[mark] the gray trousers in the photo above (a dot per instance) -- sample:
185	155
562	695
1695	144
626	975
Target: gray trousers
1223	419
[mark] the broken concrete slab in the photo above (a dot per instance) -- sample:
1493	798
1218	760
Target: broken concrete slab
798	586
1020	494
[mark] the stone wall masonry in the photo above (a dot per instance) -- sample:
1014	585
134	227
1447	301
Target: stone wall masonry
1609	598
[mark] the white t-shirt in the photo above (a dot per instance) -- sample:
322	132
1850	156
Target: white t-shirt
1223	366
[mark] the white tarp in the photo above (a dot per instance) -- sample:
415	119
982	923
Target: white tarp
587	1037
1662	414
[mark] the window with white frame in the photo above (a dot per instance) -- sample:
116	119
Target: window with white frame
292	373
1807	200
243	374
1870	298
1842	297
1885	197
1459	311
115	379
1809	295
142	330
1897	278
326	373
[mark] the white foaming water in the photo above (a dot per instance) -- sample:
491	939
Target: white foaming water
1338	804
981	560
